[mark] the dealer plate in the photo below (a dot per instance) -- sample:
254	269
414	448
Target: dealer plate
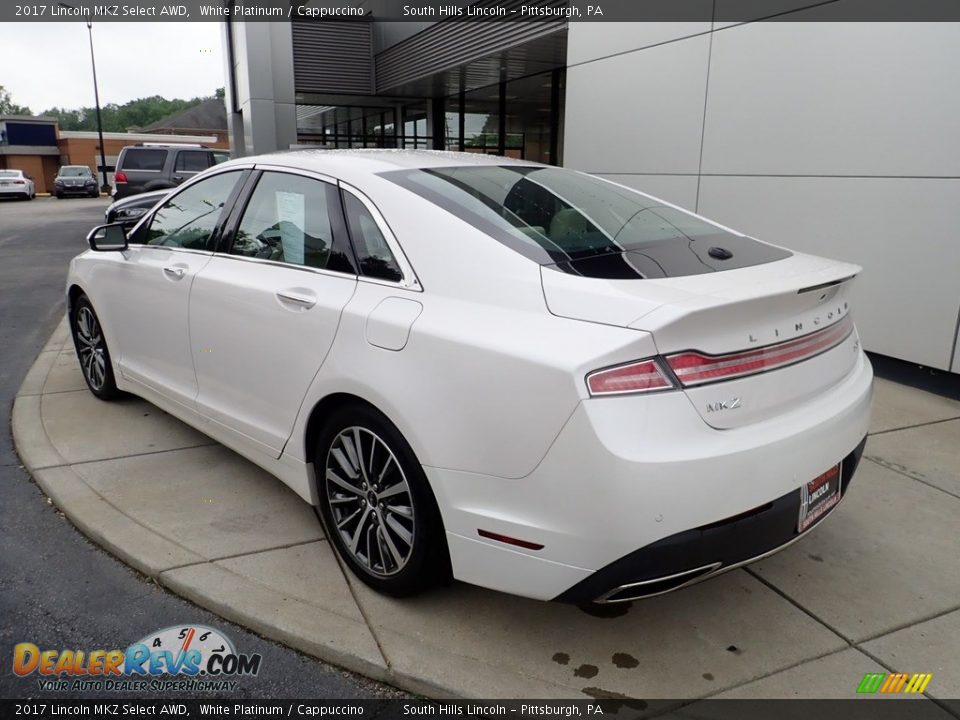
818	497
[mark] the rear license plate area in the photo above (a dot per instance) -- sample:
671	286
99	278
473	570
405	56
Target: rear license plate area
818	497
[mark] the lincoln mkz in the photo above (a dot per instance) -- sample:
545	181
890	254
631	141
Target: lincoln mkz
519	376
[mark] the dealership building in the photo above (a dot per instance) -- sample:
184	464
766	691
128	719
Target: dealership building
835	138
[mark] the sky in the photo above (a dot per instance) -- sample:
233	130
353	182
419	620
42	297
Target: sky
134	60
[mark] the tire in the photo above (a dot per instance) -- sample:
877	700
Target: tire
92	352
59	196
387	530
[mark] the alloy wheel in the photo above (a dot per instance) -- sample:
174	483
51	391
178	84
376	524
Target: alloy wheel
370	501
92	348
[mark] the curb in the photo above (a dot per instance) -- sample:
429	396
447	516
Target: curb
172	566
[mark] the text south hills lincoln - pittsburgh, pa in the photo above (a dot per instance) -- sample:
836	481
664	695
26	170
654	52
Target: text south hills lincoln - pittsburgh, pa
496	11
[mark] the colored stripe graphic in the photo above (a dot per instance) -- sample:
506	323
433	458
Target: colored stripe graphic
871	682
894	683
918	682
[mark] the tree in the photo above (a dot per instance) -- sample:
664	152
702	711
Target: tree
8	107
121	118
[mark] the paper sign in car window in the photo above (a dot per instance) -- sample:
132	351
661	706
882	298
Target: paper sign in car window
290	222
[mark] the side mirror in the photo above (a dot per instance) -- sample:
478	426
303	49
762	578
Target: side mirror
108	238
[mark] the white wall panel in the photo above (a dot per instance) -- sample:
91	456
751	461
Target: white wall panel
902	231
588	41
834	99
638	113
677	189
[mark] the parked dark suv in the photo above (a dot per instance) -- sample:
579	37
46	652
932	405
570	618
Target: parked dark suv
152	167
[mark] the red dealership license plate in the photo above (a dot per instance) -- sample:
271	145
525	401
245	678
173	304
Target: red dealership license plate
818	496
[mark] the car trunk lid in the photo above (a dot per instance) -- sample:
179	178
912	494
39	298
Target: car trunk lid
796	309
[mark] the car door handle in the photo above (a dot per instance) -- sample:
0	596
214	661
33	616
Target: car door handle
297	298
174	272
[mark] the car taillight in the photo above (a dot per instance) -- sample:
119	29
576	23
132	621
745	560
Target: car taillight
635	377
19	182
693	368
120	176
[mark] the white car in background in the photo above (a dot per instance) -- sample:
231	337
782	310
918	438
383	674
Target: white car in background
527	377
18	184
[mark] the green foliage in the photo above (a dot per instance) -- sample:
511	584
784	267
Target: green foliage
8	107
121	118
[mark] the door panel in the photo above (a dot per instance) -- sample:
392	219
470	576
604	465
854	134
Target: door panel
153	310
263	316
152	287
261	332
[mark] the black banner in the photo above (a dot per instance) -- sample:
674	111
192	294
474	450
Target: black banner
726	11
622	709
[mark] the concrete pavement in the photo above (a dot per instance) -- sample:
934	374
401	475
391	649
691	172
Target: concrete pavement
876	588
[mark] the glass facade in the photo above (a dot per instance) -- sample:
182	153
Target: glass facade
517	118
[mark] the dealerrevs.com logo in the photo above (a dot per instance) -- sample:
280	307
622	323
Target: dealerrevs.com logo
182	658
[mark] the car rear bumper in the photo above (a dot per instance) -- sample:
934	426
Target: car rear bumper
693	555
629	486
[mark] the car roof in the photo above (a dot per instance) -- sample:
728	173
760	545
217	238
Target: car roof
357	162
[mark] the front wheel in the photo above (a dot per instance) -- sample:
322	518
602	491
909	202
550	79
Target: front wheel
376	504
92	350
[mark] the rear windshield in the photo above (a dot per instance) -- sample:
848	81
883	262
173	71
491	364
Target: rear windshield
581	224
143	159
9	173
75	171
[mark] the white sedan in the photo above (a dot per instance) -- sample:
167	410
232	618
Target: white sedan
520	376
18	184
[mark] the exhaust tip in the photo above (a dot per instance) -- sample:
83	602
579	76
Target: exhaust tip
657	586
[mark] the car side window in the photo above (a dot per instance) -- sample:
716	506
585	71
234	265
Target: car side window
188	219
192	161
373	253
288	220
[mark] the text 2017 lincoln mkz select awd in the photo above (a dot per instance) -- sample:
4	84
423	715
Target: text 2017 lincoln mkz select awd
525	377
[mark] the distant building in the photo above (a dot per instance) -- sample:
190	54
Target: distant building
206	118
38	147
30	144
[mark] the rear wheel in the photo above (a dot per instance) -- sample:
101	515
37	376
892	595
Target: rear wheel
92	350
376	504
